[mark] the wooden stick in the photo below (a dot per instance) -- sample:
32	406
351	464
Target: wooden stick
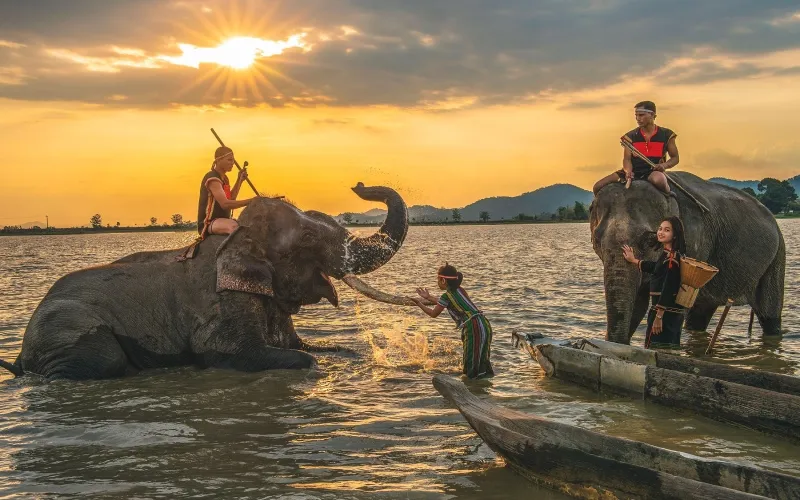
750	326
626	143
237	164
719	326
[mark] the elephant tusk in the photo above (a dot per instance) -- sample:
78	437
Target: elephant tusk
358	285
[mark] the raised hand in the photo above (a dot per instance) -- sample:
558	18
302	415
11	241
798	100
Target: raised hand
627	253
424	293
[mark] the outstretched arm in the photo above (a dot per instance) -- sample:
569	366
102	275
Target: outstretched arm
433	312
425	294
645	266
222	200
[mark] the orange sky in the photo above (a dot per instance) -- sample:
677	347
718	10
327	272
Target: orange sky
69	158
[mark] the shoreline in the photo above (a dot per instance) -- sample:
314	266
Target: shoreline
161	229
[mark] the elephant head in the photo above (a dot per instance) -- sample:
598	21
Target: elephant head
620	216
291	255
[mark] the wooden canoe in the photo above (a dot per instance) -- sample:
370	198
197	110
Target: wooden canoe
775	382
587	464
601	365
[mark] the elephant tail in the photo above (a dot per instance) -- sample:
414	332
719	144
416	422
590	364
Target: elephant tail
13	368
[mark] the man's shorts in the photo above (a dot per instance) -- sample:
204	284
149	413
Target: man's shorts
641	175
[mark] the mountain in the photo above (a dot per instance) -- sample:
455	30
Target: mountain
794	181
544	200
29	225
736	184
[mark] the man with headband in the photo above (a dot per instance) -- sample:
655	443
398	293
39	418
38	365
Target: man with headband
217	198
654	142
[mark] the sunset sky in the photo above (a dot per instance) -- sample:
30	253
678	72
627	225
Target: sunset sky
106	106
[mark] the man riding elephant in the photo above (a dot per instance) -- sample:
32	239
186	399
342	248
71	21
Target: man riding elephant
737	234
228	307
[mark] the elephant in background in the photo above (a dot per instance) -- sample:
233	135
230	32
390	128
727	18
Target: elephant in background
738	235
230	306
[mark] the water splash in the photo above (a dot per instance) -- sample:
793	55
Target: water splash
399	342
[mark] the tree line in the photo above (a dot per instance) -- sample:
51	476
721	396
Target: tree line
778	196
96	222
576	212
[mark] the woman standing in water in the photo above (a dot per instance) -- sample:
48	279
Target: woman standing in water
665	319
476	332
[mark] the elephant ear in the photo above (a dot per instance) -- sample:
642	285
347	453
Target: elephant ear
242	264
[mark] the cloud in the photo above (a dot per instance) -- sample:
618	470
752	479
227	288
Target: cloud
331	121
12	76
757	161
436	56
10	45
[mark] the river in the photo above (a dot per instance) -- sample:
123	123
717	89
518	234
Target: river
370	426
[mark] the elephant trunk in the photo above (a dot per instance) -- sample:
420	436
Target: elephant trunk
364	255
622	281
368	291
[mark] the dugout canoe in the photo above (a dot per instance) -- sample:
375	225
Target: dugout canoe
604	366
588	464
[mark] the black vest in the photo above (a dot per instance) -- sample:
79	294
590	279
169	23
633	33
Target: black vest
217	211
655	149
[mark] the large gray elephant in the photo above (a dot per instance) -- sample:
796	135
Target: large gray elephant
738	235
230	306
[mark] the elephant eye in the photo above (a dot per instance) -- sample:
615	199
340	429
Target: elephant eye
649	239
307	239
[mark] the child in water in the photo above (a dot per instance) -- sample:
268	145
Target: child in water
476	332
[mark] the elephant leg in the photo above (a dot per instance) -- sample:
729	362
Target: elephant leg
768	300
640	307
699	317
95	355
259	359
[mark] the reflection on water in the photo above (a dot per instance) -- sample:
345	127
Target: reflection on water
359	426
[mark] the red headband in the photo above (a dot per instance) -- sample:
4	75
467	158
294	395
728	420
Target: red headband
447	277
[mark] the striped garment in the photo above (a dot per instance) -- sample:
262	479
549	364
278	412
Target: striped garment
476	332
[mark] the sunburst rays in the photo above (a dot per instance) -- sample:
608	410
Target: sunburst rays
237	51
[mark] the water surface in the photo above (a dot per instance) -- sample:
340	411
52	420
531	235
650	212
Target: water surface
365	427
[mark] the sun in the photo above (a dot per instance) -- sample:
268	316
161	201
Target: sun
239	52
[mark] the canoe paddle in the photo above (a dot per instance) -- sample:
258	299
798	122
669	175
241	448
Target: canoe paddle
626	143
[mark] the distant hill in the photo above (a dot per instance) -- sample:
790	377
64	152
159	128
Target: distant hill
544	200
736	184
794	181
29	225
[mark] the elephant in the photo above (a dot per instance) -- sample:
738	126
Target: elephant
229	306
736	234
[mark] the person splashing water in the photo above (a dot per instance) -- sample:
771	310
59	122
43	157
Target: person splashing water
476	332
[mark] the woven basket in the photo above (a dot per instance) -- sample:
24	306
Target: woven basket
694	275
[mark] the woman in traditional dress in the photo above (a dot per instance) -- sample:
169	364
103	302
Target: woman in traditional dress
665	319
476	332
217	198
